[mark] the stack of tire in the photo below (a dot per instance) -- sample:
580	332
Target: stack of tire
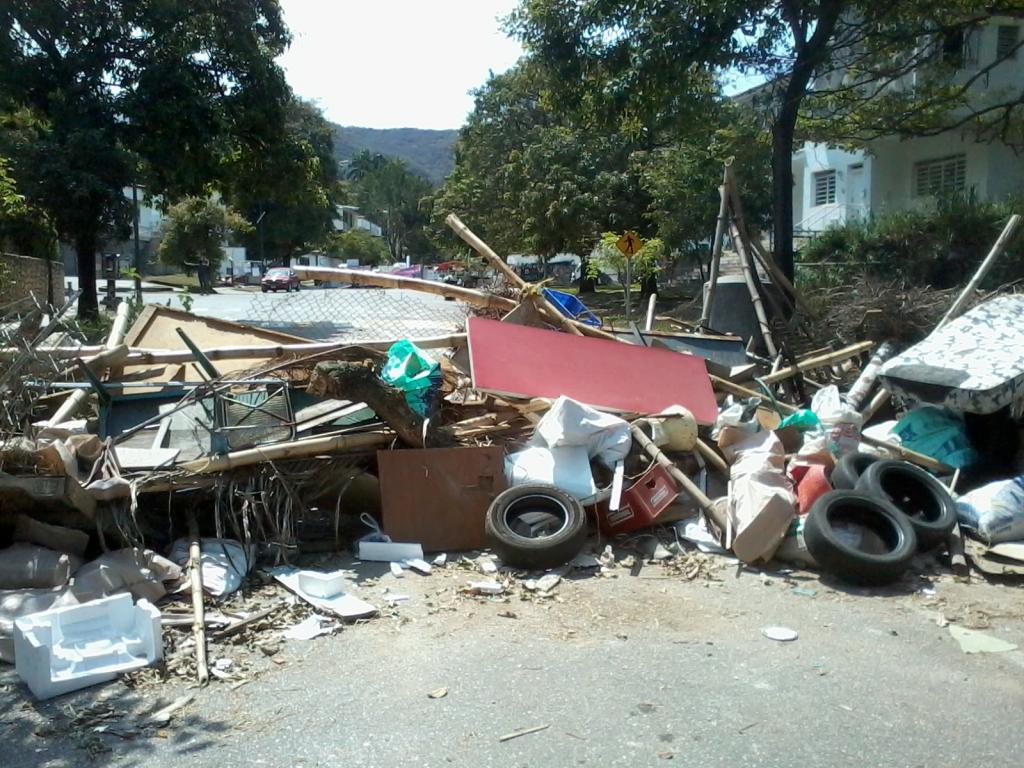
879	516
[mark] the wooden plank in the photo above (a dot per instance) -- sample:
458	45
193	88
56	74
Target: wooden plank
439	497
529	362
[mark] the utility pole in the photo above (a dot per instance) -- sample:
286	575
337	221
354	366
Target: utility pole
259	228
138	252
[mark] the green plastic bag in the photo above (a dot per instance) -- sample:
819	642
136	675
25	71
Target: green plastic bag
414	373
805	420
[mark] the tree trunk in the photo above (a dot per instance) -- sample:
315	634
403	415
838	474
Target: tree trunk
782	185
359	382
586	283
85	250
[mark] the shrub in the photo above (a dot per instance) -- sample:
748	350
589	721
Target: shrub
941	247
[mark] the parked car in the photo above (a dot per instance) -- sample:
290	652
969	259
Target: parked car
278	278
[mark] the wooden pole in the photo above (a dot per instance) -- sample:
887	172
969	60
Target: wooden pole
986	265
716	248
198	610
711	457
382	280
755	295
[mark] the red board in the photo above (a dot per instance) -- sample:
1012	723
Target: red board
520	361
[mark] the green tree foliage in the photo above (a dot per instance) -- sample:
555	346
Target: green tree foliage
390	195
940	247
648	63
24	229
360	245
529	178
292	183
195	231
162	92
682	178
646	262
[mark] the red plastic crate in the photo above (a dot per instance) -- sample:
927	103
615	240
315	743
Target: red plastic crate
642	502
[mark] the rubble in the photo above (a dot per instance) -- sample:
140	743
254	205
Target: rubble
549	447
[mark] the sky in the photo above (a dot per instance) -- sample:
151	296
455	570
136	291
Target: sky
395	63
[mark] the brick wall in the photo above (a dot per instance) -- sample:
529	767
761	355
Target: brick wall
22	275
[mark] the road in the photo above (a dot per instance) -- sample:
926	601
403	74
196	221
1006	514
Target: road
624	670
338	314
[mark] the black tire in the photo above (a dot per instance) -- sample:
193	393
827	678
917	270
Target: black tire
914	492
887	540
536	526
263	289
849	469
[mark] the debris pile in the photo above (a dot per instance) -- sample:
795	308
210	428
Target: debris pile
161	495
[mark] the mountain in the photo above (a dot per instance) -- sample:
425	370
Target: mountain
428	153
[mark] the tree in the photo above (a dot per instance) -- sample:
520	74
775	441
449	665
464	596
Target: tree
290	186
649	61
194	233
532	179
360	245
389	194
165	92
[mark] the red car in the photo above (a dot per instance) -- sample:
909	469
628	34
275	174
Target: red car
278	278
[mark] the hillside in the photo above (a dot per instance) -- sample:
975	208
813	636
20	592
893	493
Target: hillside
429	153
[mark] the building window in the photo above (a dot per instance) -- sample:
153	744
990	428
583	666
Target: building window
1006	42
824	187
938	177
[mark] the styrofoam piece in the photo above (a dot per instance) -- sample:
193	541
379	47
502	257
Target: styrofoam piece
389	551
65	649
344	604
418	565
325	585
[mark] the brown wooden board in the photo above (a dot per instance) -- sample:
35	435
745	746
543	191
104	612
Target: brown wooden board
438	497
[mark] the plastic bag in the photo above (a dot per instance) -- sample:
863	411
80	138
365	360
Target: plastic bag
938	433
26	566
994	511
805	420
569	423
840	422
408	369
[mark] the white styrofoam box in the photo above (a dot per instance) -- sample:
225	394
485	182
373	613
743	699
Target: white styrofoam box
64	649
388	551
320	584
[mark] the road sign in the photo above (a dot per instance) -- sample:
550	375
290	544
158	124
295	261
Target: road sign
630	243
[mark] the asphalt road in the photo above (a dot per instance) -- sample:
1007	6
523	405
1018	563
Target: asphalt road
338	314
623	671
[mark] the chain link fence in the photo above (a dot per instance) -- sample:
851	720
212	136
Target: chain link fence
357	314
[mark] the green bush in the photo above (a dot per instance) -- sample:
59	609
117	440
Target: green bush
940	247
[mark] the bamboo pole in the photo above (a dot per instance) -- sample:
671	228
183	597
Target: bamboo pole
905	453
810	363
515	280
965	295
291	450
198	610
711	457
687	484
115	339
716	247
755	296
382	280
144	356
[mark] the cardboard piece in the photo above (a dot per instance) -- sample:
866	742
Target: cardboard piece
518	361
761	499
439	496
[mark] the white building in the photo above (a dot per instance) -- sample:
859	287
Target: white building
348	217
833	186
